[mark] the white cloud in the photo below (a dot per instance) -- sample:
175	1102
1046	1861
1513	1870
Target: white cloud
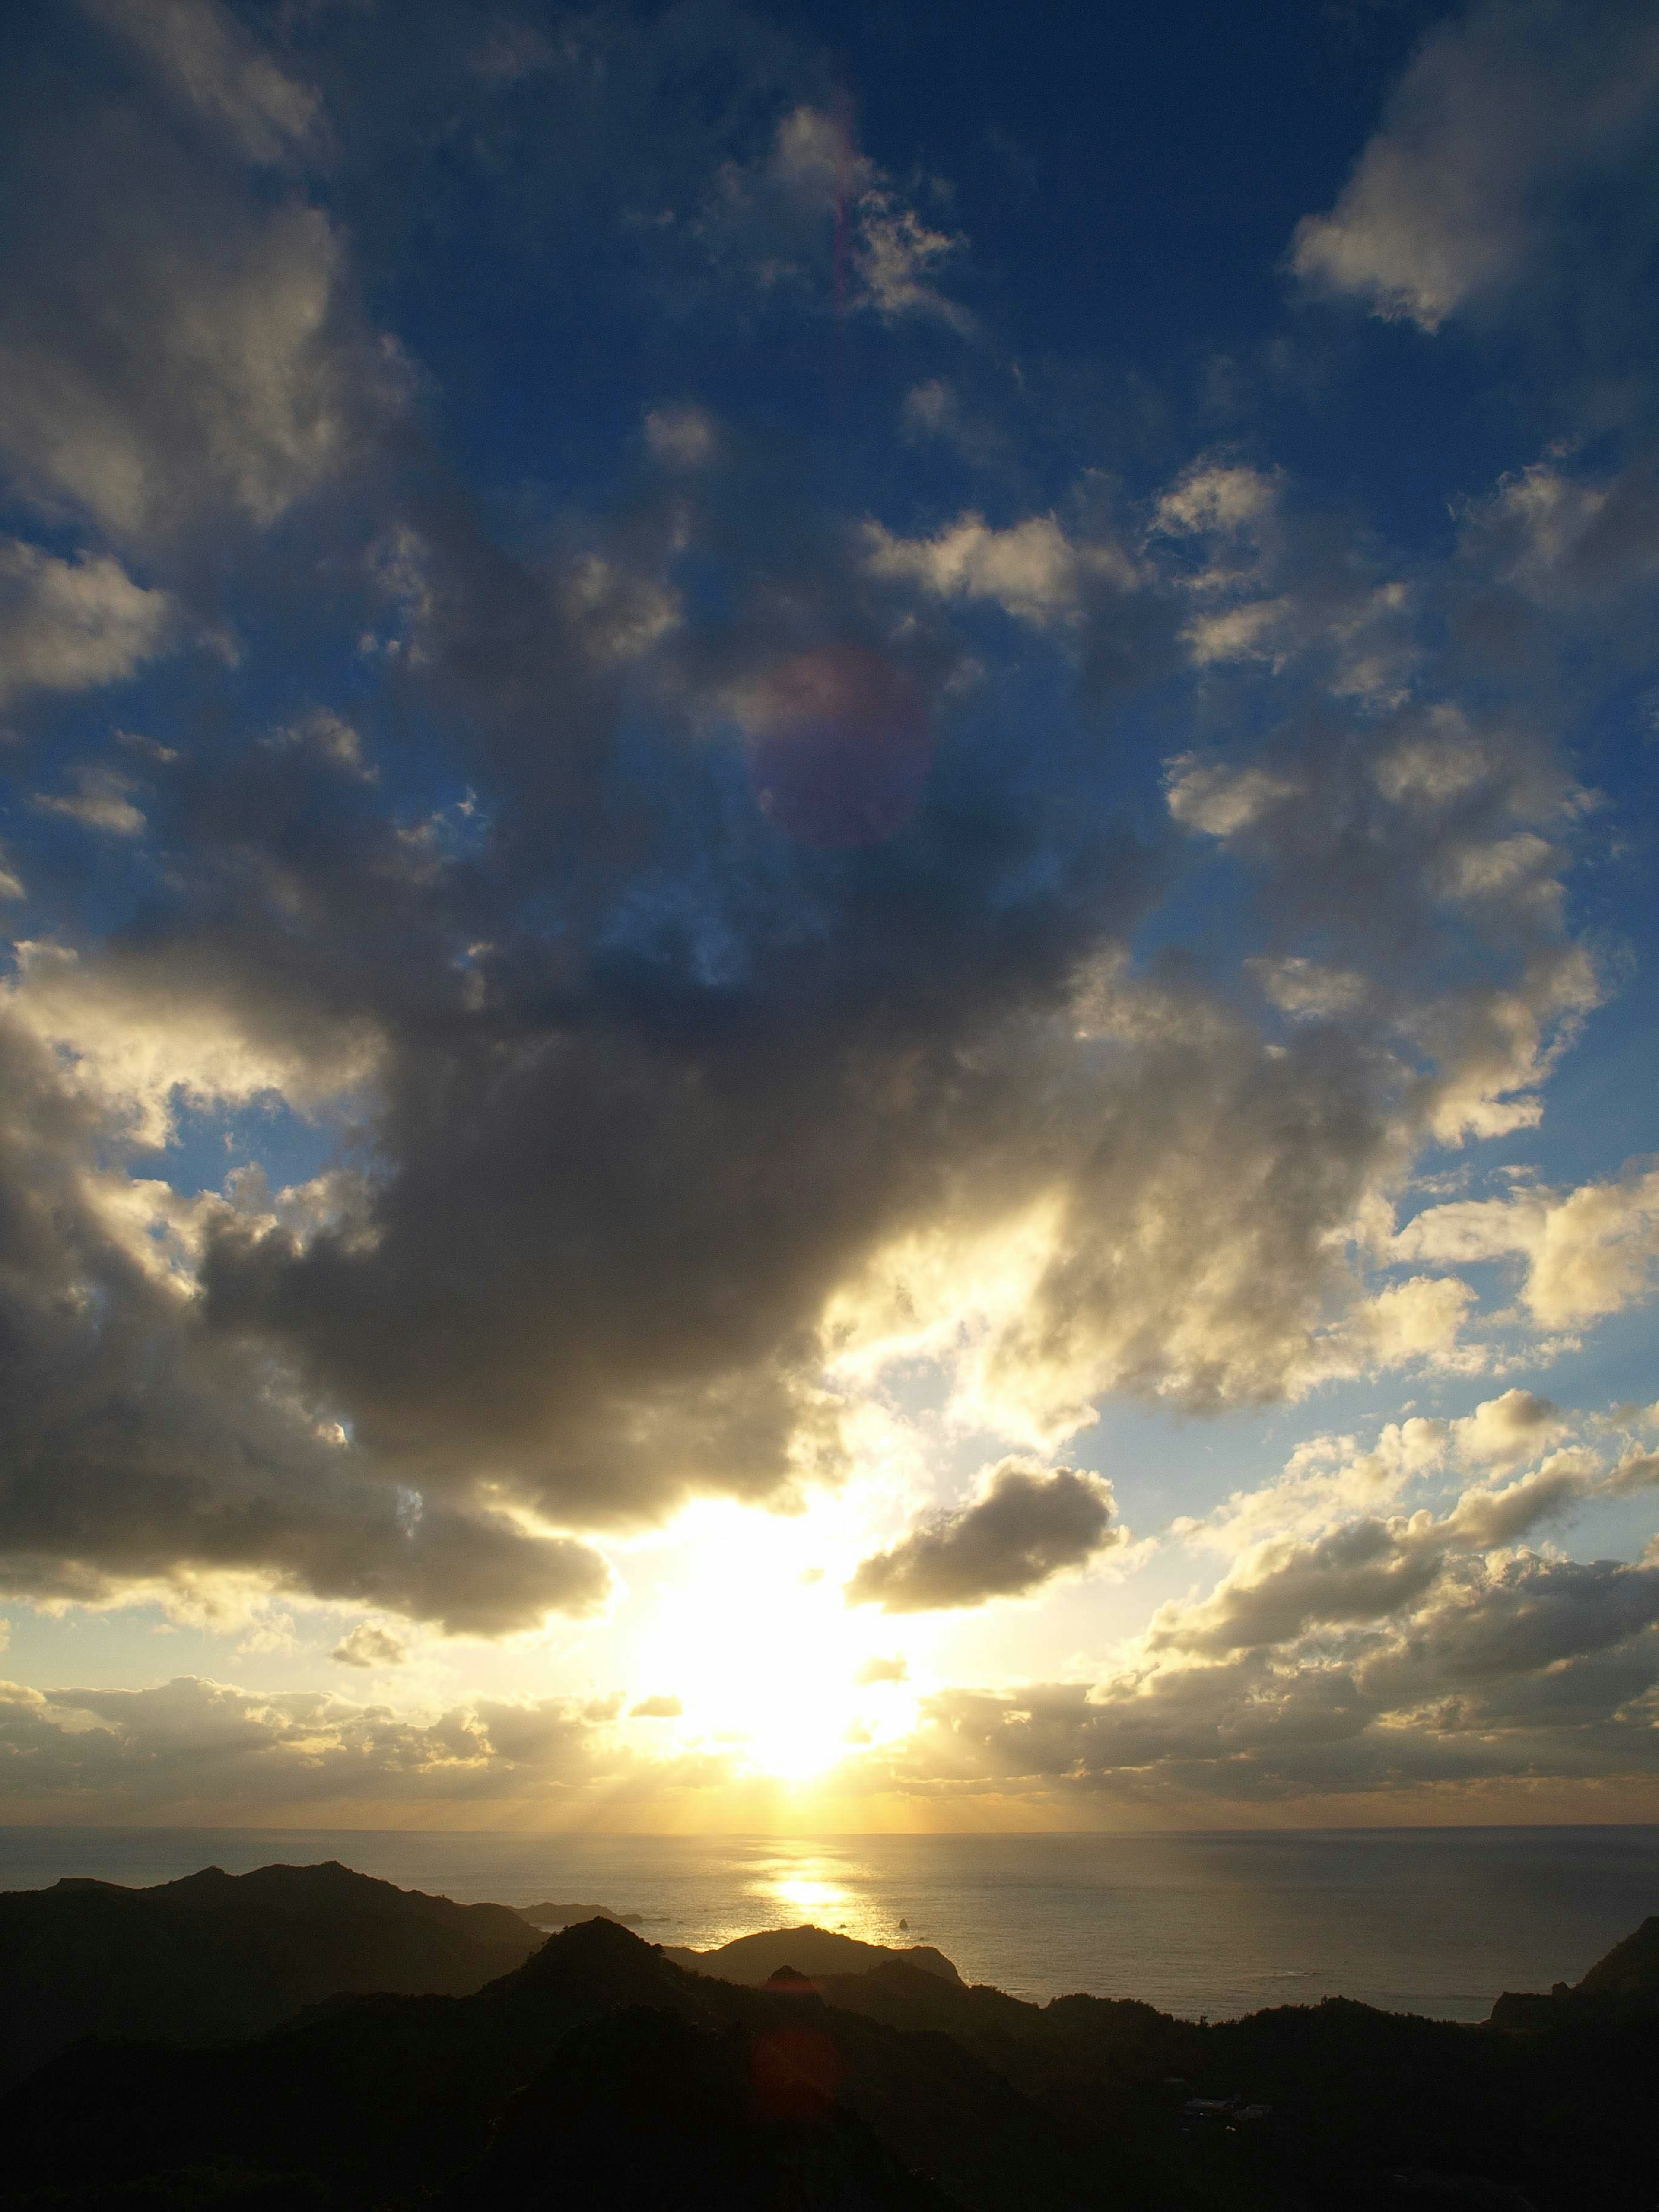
1219	800
101	800
1587	1253
66	625
1032	568
1504	1433
231	369
132	1039
1453	199
372	1643
781	216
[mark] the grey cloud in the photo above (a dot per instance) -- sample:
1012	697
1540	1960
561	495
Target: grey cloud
190	1741
1543	1669
1024	1527
1638	1470
1370	1569
205	59
874	1670
143	1448
660	1707
1359	1572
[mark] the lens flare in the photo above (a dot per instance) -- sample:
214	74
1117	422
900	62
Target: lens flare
839	746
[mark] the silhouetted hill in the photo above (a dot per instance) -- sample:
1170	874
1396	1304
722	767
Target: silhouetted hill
640	2110
381	2100
218	1956
599	2075
752	1958
1630	1969
1624	1985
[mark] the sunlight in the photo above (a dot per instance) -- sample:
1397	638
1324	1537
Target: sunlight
755	1639
812	1898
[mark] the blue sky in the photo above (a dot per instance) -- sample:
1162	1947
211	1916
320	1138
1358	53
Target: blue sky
829	882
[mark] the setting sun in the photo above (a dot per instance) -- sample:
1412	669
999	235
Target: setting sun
755	1639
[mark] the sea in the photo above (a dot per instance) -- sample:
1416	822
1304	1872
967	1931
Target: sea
1435	1921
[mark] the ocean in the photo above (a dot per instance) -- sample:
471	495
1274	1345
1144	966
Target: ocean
1426	1920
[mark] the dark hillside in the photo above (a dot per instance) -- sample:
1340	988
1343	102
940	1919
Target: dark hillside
380	2100
755	1958
601	2076
217	1955
1630	1969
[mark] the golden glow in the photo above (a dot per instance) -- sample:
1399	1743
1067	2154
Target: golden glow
816	1899
752	1635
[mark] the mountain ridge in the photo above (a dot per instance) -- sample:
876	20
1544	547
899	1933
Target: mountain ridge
598	2072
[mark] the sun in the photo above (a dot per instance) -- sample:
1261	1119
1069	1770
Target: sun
753	1638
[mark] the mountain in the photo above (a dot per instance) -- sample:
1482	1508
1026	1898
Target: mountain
217	1956
641	2111
1630	1969
384	2101
600	2075
753	1960
1622	1985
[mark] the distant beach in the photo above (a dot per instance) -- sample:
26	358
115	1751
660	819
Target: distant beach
1437	1921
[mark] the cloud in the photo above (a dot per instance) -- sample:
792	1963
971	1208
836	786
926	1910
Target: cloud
657	1708
650	1131
68	625
683	437
209	63
869	1672
370	1644
1024	1528
151	1456
1586	1253
1460	191
100	800
192	1740
777	216
1032	569
203	356
1505	1432
1519	1670
1566	539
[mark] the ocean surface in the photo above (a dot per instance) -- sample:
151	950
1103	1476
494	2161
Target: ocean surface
1426	1920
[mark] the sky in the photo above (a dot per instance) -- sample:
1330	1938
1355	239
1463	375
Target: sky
829	998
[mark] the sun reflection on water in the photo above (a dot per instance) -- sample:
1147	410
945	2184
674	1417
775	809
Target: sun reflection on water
815	1898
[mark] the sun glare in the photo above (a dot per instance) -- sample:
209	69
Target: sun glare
753	1636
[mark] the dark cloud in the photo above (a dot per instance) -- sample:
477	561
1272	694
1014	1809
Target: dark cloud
1024	1527
141	1445
1546	1669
